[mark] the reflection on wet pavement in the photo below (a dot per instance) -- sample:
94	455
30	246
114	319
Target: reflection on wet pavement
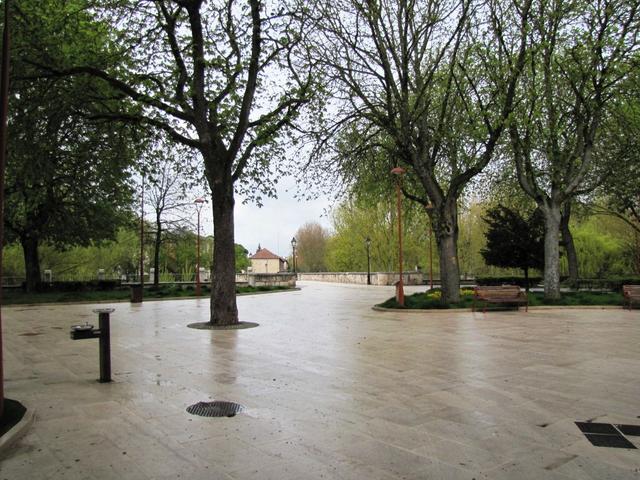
332	389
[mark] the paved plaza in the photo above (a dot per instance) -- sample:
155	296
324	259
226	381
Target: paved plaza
332	390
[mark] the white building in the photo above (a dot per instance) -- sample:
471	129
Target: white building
264	261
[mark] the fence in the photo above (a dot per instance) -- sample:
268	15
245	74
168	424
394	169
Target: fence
377	278
279	279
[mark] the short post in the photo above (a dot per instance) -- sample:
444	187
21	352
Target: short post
198	202
399	171
294	242
104	339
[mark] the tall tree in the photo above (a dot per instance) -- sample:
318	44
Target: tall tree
568	243
435	80
224	78
583	51
514	241
312	247
364	217
499	186
167	197
67	179
621	145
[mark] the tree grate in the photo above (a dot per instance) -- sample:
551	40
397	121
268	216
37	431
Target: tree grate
608	435
215	409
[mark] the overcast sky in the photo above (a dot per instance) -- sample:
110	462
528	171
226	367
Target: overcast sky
275	223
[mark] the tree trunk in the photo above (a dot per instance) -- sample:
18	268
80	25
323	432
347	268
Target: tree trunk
636	253
156	252
446	230
569	246
31	262
224	310
552	251
526	279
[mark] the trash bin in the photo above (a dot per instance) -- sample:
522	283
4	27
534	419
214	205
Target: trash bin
136	293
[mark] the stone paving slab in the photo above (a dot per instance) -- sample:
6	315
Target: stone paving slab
332	390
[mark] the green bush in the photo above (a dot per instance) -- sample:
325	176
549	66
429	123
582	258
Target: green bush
79	286
578	298
431	300
613	284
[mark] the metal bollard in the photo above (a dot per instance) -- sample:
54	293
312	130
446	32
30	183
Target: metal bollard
105	343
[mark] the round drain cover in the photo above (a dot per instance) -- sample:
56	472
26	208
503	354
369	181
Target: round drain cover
215	409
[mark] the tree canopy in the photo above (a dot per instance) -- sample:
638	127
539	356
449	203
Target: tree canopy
68	176
584	53
514	241
431	83
226	79
311	248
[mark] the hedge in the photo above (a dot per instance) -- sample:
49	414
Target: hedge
613	284
508	281
78	286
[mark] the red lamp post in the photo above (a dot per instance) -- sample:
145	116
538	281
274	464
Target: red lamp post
142	238
4	109
430	259
429	207
199	203
399	171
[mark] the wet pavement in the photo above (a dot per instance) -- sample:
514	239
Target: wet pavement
331	390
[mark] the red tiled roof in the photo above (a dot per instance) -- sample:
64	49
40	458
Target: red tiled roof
264	254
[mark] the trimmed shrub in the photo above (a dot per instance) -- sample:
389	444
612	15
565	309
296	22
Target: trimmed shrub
490	281
78	286
613	284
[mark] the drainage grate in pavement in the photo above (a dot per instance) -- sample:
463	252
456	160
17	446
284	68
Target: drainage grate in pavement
611	441
215	409
602	428
630	430
607	435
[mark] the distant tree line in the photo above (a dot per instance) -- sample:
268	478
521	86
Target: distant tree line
495	240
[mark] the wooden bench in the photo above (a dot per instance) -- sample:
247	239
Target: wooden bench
504	294
631	294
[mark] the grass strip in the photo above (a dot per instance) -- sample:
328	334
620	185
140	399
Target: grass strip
19	297
431	299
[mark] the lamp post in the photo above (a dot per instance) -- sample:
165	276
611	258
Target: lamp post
294	242
367	242
199	203
429	207
4	110
399	171
142	237
430	259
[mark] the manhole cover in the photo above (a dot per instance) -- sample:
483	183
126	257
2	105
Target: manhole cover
215	409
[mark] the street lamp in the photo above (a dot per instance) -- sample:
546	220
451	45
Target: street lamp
429	207
399	171
199	203
141	239
4	109
294	242
367	242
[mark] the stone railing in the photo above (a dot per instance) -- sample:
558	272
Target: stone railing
377	278
285	279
